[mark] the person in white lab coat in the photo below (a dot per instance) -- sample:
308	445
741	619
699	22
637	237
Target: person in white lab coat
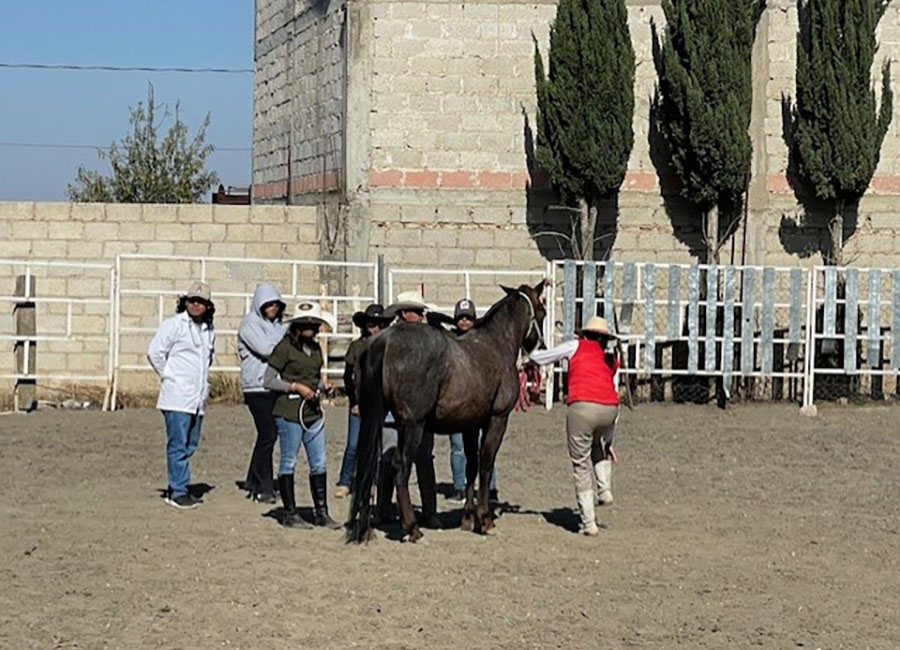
181	353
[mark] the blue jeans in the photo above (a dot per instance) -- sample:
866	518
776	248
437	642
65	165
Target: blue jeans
291	434
349	462
182	438
458	463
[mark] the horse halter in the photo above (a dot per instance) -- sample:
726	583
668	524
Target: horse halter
533	324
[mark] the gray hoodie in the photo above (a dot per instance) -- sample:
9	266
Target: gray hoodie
257	337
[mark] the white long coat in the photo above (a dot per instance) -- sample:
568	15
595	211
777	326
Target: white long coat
181	353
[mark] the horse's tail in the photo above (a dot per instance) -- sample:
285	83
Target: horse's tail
372	414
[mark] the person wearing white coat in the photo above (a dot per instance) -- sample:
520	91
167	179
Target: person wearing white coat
181	353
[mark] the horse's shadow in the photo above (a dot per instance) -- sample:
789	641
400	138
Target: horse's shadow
196	490
450	519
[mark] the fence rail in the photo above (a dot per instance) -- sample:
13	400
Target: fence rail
73	312
141	305
829	332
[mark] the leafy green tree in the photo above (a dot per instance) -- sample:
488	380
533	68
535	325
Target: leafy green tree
147	170
585	109
836	126
703	106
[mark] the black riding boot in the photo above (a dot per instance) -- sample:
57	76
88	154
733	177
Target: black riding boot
385	492
292	518
318	485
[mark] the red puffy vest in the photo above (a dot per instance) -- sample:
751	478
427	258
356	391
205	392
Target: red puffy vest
590	378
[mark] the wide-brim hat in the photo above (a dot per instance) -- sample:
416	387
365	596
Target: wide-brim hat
598	325
373	312
406	301
311	312
199	290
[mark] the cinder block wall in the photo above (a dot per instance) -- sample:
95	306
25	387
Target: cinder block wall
441	103
98	232
299	96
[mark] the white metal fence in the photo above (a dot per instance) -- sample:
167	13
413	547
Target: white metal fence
691	320
442	288
73	317
855	333
142	303
831	332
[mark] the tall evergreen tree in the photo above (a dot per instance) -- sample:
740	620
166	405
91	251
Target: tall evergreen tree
145	170
836	127
703	106
585	108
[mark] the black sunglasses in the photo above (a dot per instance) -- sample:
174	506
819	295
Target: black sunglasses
197	301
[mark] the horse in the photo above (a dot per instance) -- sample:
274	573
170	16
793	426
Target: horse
442	384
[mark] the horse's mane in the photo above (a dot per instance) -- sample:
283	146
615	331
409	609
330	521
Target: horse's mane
489	315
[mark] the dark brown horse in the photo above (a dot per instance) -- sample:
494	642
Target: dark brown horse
434	382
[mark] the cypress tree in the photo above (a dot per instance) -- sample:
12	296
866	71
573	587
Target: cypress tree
836	126
585	108
703	106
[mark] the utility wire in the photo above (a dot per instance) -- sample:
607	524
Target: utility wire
117	68
53	145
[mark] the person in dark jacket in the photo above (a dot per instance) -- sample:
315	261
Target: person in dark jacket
370	322
464	316
410	307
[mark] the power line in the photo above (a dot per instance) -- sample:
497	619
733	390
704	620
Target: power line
118	68
54	145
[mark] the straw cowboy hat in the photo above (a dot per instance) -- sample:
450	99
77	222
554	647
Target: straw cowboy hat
598	325
407	301
311	312
372	313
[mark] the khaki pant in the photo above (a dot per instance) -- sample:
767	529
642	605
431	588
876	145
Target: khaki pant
590	429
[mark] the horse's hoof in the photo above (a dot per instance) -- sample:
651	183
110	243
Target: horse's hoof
468	524
486	524
413	536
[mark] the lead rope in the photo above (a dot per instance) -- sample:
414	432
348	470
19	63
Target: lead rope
529	387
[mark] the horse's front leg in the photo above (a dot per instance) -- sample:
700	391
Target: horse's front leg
470	444
489	447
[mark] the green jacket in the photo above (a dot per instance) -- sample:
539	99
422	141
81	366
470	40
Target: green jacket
302	367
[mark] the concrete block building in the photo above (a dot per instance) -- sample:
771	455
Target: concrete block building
410	124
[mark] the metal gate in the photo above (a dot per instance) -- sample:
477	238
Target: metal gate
73	317
692	320
855	339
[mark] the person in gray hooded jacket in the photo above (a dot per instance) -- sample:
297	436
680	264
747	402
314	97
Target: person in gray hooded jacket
260	331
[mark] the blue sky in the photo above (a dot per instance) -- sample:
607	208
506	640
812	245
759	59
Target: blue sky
77	107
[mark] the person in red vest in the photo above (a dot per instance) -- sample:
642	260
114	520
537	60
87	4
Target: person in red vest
593	408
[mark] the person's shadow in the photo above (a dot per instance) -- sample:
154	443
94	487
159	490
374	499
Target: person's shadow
196	490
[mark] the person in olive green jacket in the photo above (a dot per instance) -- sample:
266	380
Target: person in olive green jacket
295	370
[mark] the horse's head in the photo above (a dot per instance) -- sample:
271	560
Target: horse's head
536	312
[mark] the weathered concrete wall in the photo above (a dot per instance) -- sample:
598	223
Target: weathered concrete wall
441	102
65	232
298	98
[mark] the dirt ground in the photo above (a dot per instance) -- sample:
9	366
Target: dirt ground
751	527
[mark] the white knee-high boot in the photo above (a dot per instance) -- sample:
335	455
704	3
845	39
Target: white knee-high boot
603	474
586	510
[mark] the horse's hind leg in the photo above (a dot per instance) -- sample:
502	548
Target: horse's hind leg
470	442
492	439
406	448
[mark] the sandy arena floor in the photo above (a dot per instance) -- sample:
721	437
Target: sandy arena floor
751	527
